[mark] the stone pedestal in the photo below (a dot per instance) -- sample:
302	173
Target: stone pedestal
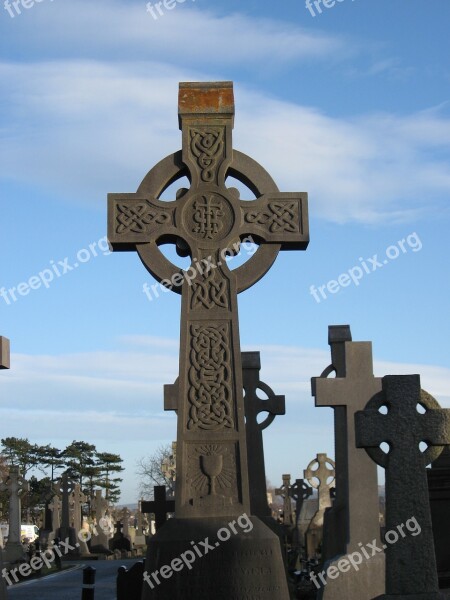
247	565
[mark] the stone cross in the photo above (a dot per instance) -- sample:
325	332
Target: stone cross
16	487
439	489
4	364
77	499
64	487
99	505
207	222
254	405
159	506
125	516
283	491
410	559
355	513
299	492
318	470
55	507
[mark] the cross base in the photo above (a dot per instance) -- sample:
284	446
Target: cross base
248	564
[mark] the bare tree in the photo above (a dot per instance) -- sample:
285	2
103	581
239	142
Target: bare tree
153	470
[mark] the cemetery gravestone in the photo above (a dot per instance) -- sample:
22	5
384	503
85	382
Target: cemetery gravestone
284	492
16	486
318	470
77	499
254	405
139	540
354	517
410	560
159	506
64	487
4	364
299	492
439	489
99	506
207	222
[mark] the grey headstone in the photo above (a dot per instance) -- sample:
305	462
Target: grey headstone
64	488
319	470
354	517
206	222
16	487
410	561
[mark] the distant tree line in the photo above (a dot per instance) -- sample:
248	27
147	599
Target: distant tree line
80	460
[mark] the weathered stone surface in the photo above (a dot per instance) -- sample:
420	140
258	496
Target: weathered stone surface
254	405
5	360
354	516
410	561
439	489
207	222
318	470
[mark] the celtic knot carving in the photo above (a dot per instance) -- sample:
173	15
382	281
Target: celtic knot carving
209	291
210	378
278	216
136	217
207	146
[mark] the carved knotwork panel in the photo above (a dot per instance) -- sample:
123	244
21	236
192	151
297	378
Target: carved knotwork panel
139	217
210	377
276	217
207	149
210	290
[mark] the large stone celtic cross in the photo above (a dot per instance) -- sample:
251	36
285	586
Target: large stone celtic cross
207	222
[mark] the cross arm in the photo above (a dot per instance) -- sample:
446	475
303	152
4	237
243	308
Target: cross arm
330	392
137	219
4	353
373	428
435	427
279	218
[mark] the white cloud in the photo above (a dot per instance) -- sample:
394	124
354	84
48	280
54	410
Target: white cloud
90	128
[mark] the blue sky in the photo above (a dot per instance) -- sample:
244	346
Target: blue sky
351	105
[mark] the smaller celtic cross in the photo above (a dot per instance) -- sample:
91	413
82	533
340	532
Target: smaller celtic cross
410	560
299	492
254	405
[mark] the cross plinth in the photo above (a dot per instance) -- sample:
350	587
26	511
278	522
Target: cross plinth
254	405
208	222
159	506
410	559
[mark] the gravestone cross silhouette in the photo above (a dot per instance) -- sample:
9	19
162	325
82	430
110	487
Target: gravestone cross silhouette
208	222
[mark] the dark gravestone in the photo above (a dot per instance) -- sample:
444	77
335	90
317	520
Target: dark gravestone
64	487
410	560
207	222
254	405
439	490
119	541
159	506
129	582
354	516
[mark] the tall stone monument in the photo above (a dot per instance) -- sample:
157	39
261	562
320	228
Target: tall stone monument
439	489
354	517
16	486
285	492
208	222
64	488
411	572
254	406
4	364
